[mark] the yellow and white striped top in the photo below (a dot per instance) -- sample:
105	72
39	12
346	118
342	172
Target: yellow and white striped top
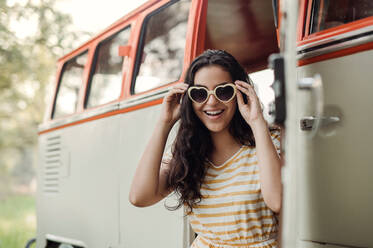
232	212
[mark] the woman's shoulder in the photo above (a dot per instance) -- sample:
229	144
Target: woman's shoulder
275	132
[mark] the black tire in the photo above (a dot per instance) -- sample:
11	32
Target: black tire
30	242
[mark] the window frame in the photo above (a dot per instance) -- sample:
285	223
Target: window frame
58	87
306	14
93	67
140	49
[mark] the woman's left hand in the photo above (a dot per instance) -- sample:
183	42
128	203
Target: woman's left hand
250	111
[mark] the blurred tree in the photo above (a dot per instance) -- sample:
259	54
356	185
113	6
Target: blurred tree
32	36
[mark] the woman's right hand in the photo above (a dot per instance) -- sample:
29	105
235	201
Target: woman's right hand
170	112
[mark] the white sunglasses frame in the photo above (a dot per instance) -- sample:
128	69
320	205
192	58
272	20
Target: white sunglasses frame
213	92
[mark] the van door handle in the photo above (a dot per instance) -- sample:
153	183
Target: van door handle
315	86
307	123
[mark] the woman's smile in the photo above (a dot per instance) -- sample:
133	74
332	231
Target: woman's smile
214	114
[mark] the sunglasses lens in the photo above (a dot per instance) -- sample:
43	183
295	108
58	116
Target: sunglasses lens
198	95
225	93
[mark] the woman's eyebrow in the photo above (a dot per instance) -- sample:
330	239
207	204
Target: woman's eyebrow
199	85
222	83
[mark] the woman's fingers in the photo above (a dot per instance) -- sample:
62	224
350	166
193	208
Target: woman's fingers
171	103
240	98
176	91
241	90
252	92
242	87
247	89
181	86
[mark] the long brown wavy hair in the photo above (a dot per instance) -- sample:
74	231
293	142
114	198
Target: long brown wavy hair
193	143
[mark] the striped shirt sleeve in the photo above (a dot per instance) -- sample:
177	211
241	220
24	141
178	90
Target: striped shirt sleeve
276	139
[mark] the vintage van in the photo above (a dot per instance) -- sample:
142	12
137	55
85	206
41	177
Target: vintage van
107	97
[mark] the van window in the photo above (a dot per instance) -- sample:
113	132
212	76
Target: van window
232	26
106	76
160	60
329	13
68	90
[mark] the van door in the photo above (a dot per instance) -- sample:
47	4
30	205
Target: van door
335	190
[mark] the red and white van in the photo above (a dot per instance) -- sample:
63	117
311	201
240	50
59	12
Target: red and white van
108	94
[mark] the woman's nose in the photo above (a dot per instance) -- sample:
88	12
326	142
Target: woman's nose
212	100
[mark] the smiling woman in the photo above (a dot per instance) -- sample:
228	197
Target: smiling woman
224	165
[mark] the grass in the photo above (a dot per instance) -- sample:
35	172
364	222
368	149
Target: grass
17	221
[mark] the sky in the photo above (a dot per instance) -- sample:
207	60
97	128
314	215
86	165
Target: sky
94	16
88	16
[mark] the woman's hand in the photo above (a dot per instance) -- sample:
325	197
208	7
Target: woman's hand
250	111
170	112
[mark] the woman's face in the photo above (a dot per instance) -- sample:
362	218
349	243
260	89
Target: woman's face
214	114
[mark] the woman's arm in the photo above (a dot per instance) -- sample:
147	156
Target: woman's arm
150	179
269	166
268	159
149	184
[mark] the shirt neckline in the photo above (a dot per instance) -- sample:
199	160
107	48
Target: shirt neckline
228	160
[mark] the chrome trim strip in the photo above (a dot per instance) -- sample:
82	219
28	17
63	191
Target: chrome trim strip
65	240
335	38
105	109
336	47
144	98
99	110
78	117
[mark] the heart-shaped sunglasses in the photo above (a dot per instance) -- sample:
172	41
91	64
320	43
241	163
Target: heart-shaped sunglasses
223	93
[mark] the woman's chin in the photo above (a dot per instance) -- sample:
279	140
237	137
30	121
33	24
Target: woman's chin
216	128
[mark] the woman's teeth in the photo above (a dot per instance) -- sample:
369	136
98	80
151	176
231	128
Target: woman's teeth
213	113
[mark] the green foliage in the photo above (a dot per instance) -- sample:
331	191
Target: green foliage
17	221
27	68
28	62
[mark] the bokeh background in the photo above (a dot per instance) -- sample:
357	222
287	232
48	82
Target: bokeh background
33	35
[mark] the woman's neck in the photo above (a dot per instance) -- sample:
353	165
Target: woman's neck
224	141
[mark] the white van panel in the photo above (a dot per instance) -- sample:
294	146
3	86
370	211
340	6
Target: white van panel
153	226
337	193
84	206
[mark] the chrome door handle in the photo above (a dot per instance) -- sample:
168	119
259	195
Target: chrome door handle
315	86
307	123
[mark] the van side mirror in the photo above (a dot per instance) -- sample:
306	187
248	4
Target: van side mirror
124	51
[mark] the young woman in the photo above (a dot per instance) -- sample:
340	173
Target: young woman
224	165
